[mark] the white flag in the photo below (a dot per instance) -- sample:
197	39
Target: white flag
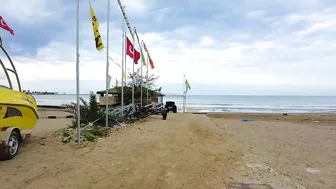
109	80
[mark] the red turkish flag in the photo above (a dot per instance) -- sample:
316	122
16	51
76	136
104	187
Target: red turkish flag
4	25
129	51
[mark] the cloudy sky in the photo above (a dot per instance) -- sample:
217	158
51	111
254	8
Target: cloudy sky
223	47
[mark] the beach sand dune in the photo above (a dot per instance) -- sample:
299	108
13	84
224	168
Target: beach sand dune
184	151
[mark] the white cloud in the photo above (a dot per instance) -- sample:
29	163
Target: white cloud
318	27
136	7
32	11
283	56
206	41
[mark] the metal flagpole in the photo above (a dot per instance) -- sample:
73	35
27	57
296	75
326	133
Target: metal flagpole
141	77
147	77
77	72
107	58
133	69
185	101
122	8
183	96
125	59
130	30
122	66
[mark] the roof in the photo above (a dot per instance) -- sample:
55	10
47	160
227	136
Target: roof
110	91
116	90
161	94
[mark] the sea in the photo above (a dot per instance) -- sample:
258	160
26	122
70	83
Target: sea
228	103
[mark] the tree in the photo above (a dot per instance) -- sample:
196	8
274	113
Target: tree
137	79
137	87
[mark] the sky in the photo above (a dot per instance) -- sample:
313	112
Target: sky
245	47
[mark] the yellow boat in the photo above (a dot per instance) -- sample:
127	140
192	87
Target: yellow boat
18	111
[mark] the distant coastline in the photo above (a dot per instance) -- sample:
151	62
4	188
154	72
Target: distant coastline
40	92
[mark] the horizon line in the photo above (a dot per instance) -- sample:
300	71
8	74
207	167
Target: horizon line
297	95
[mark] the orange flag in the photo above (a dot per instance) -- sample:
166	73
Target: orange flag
145	47
150	59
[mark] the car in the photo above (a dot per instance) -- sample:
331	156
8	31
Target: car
170	105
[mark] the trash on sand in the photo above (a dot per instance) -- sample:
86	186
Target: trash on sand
246	120
312	170
248	185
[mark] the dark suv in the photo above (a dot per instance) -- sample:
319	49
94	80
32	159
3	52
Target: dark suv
170	105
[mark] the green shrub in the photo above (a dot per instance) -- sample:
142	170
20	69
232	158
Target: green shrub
89	112
89	136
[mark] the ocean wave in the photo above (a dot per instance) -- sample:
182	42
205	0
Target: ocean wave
230	103
265	108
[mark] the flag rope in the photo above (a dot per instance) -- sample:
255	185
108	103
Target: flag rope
115	61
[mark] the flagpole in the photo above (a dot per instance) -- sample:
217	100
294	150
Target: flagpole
185	101
122	8
147	78
141	77
133	69
125	59
183	94
122	66
77	72
130	30
107	58
125	35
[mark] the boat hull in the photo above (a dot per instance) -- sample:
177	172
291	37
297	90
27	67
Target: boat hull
17	109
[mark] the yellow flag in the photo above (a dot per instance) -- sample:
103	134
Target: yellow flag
95	27
187	85
124	75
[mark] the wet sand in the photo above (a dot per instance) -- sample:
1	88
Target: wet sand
185	151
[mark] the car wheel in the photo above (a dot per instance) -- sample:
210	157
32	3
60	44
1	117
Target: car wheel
13	146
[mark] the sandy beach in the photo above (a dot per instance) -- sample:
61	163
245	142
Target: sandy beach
185	151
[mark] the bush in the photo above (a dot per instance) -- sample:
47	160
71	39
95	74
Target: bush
89	112
89	136
96	132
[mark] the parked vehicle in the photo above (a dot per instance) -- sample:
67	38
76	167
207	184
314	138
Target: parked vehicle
18	112
170	105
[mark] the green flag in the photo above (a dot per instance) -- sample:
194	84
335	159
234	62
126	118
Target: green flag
142	55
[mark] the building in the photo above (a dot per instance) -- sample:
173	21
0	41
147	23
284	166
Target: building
114	96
